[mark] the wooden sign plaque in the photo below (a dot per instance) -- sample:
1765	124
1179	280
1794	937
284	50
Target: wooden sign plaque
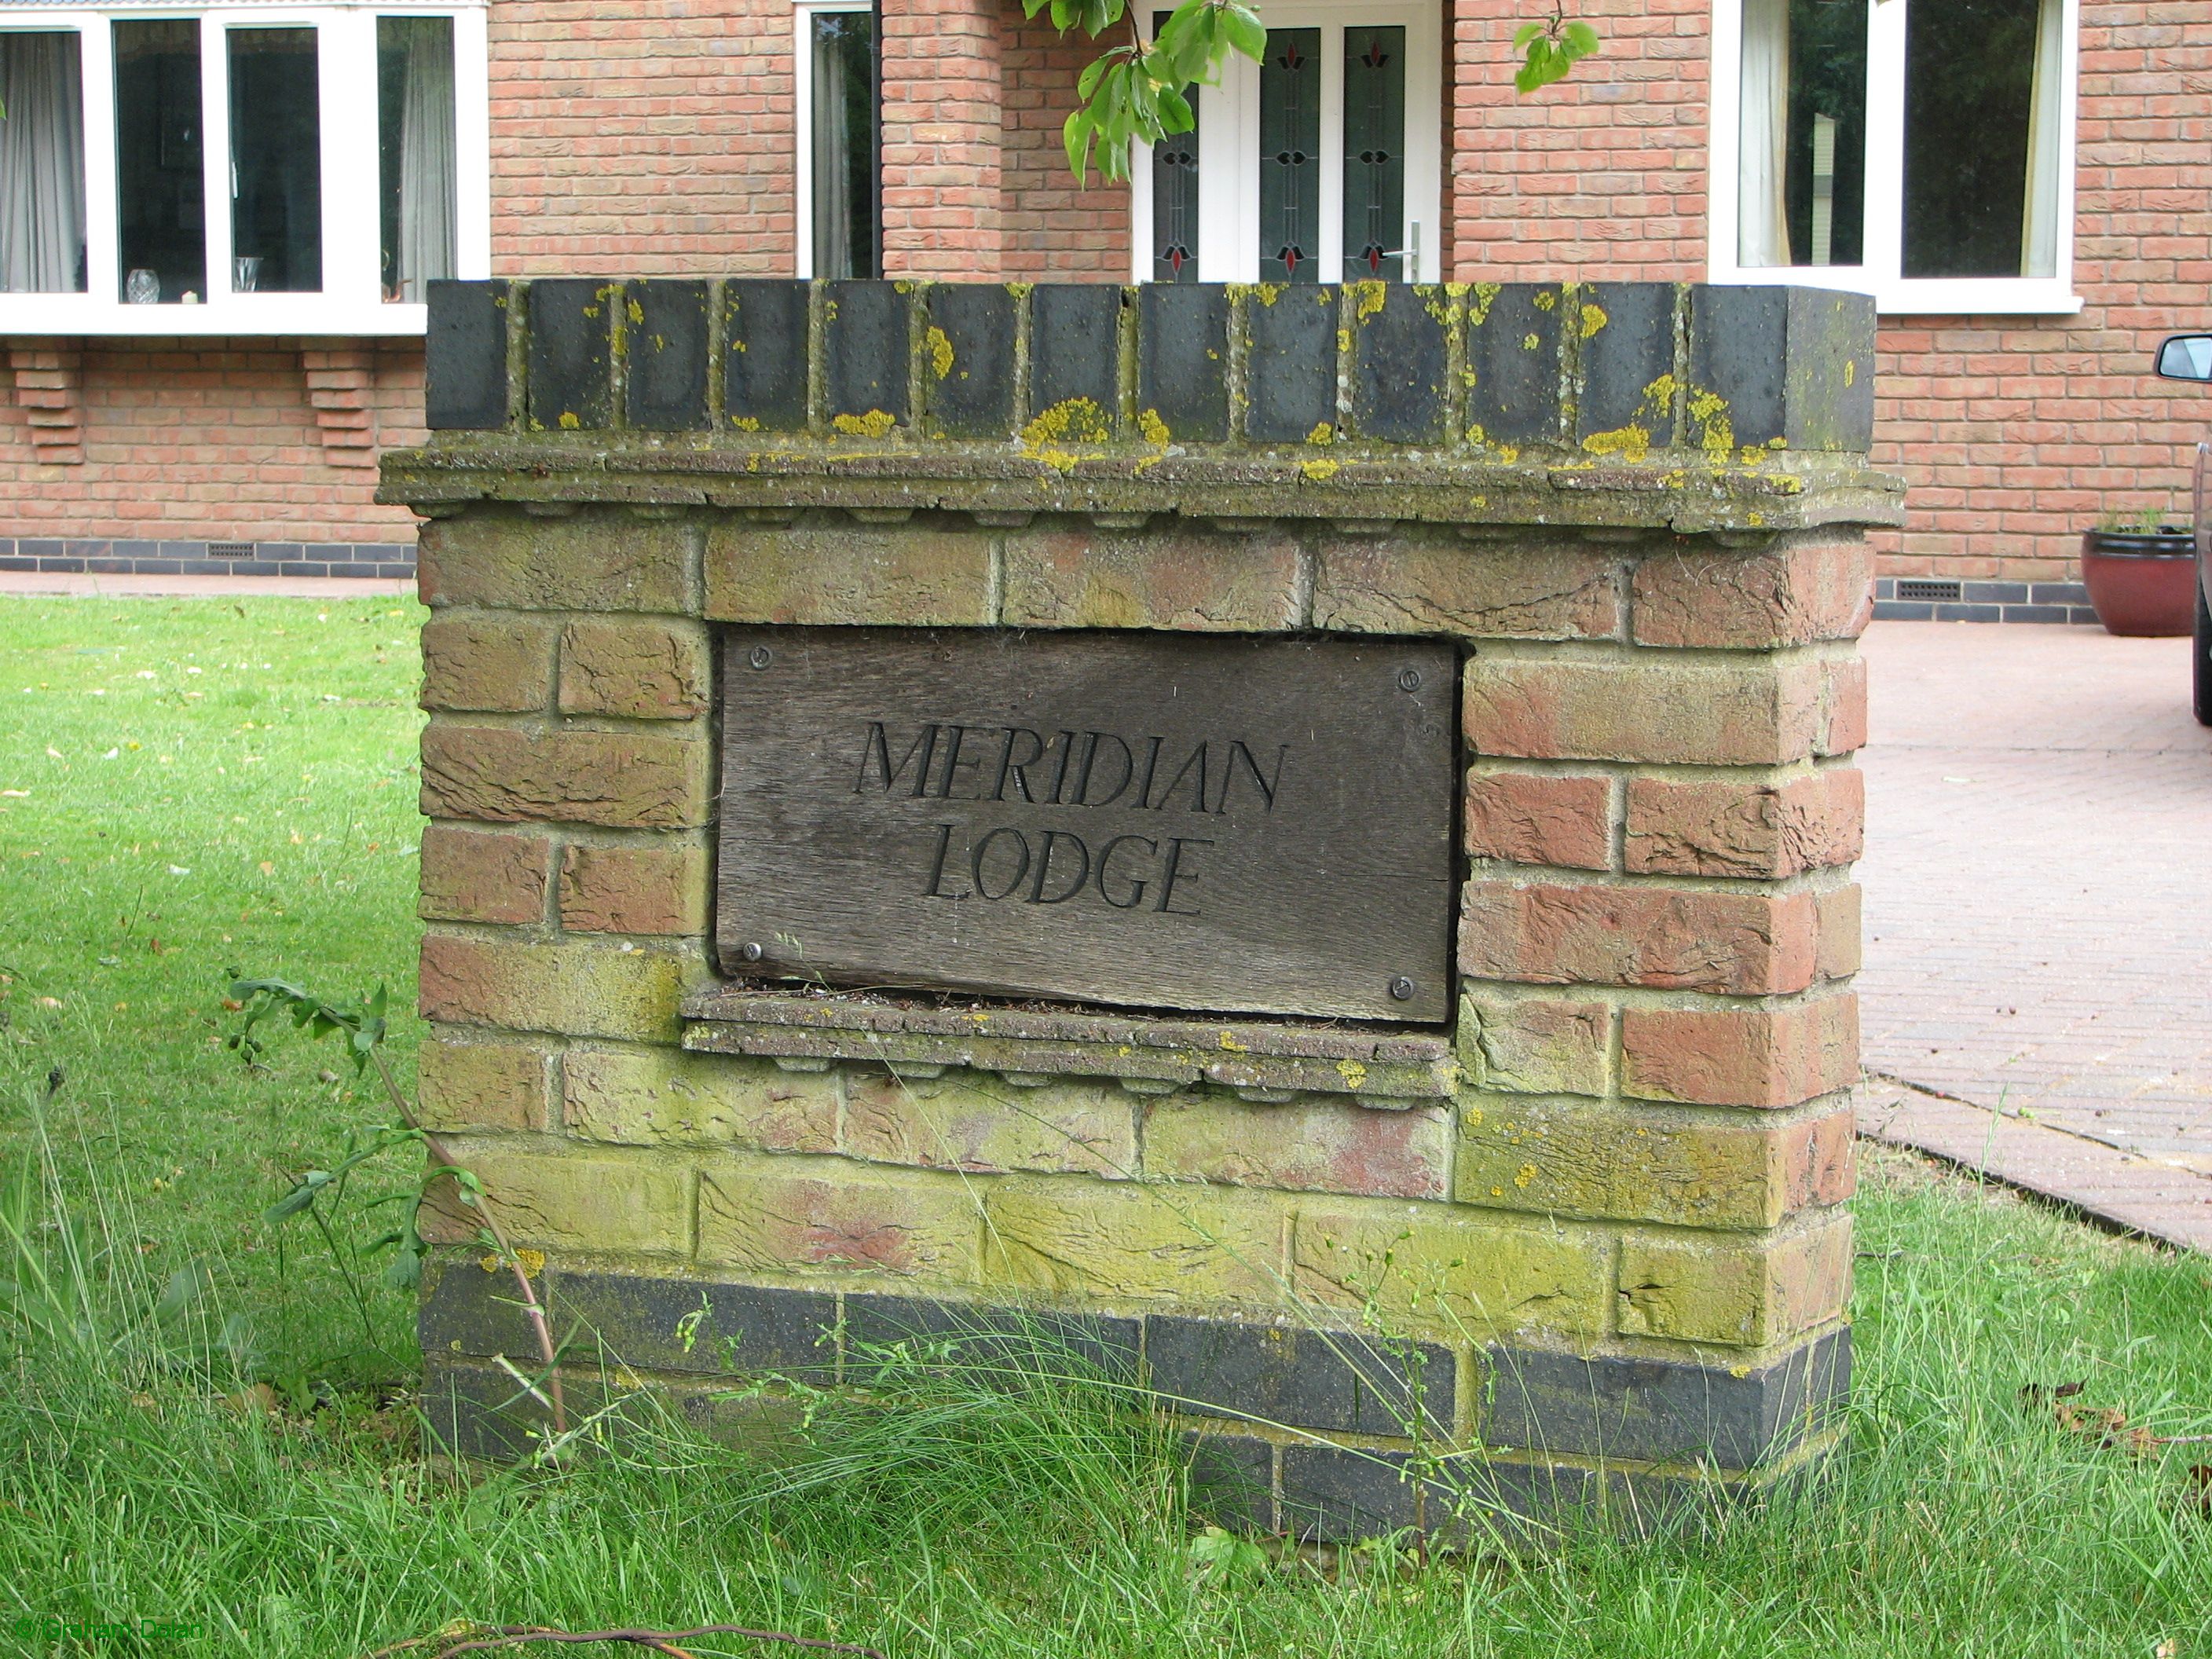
1231	825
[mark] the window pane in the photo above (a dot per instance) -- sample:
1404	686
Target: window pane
276	162
160	186
1374	153
1802	185
844	140
1981	137
41	164
1290	156
416	150
1175	195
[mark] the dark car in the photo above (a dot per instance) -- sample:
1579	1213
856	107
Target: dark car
2189	357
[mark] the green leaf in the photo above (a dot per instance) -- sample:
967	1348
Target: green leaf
1580	39
1246	32
1525	34
183	1288
1225	1555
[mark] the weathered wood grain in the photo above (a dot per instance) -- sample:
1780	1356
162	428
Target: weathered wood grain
1144	819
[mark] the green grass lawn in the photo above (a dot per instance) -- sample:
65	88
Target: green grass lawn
194	787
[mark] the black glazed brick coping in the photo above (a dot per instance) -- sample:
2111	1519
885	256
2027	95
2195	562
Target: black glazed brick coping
571	353
388	560
465	385
969	363
1657	1410
1232	1479
1075	347
1513	333
764	355
1400	363
666	332
1300	1378
1182	361
1625	332
1637	366
1101	1345
1746	339
1291	373
676	1325
1255	1378
866	351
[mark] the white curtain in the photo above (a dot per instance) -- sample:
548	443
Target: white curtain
2039	230
832	152
427	215
41	164
1762	216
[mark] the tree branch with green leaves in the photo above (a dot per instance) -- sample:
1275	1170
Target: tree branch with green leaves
1141	92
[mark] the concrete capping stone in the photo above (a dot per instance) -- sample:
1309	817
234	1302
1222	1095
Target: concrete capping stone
1614	404
1252	1398
1388	1069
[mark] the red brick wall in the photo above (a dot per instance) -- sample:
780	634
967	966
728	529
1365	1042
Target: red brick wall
208	440
656	137
1055	232
648	137
1603	175
2016	433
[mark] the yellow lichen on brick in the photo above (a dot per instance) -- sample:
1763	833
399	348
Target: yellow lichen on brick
1486	295
940	352
1448	1273
569	421
1545	300
1368	299
636	312
1323	433
876	424
744	423
1152	428
1068	1236
1072	419
1319	471
1594	318
1629	443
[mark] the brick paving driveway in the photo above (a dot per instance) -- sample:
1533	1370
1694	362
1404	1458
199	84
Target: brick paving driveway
2039	905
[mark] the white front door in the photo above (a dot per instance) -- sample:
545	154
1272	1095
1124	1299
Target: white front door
1323	164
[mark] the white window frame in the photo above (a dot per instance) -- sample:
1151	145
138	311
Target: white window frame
351	301
802	141
1229	149
1894	294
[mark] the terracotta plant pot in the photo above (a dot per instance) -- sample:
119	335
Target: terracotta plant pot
2141	584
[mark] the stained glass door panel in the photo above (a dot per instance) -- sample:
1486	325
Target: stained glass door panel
1374	154
1290	157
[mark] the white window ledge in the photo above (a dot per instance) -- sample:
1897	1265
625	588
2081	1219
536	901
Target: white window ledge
262	315
1963	296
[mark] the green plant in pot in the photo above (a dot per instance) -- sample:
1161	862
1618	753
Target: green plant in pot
2140	570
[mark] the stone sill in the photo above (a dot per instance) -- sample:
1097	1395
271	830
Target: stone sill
1261	1060
1684	491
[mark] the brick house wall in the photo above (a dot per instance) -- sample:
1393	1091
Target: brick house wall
2014	433
657	138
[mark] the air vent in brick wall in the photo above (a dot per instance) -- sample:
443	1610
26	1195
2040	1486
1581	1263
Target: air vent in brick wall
1606	371
230	549
1939	592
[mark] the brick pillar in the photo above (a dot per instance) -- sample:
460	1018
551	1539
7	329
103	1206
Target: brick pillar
50	387
1585	1227
943	92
